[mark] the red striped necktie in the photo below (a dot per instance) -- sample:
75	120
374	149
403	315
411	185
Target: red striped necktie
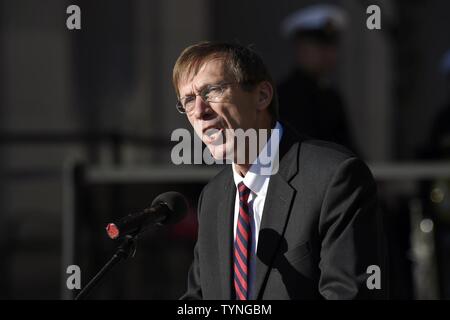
242	245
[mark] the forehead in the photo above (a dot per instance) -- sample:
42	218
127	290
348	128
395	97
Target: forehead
210	71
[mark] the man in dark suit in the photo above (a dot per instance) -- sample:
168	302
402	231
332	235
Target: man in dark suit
295	220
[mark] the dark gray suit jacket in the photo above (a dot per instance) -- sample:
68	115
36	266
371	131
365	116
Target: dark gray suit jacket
320	229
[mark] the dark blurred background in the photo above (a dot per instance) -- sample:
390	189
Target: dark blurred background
86	118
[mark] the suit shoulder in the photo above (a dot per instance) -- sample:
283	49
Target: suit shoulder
320	163
218	181
324	152
322	159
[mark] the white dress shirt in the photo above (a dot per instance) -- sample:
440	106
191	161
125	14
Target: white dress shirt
257	180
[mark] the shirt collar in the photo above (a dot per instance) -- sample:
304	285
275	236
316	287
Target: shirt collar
263	167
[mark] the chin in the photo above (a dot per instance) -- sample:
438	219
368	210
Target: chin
220	152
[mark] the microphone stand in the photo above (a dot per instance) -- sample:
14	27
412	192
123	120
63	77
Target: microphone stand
127	248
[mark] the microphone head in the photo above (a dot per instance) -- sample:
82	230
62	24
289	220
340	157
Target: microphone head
176	203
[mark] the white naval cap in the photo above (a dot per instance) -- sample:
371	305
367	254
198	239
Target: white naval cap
314	17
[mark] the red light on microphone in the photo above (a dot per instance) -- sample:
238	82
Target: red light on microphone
112	231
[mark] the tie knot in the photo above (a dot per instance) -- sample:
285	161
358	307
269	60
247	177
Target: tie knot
244	191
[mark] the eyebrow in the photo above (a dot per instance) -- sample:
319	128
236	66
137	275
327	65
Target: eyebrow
203	87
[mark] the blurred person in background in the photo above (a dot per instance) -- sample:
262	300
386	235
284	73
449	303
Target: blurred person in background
439	141
308	98
436	193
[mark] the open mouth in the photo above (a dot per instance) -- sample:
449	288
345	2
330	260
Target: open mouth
213	136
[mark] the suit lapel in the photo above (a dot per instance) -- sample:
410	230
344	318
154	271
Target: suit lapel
225	231
276	211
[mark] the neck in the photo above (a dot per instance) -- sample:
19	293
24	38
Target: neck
243	168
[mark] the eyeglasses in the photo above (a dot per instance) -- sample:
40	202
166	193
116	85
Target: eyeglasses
209	93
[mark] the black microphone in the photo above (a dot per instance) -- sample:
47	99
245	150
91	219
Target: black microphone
167	208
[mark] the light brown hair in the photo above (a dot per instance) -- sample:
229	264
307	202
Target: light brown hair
243	63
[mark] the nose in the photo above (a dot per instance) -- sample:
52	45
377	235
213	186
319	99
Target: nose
201	108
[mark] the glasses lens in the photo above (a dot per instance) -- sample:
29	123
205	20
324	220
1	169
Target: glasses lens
214	93
189	105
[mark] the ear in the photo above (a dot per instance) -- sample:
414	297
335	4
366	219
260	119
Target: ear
265	95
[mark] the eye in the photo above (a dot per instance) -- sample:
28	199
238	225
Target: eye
188	101
212	92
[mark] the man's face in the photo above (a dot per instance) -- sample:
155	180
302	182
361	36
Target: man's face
212	120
